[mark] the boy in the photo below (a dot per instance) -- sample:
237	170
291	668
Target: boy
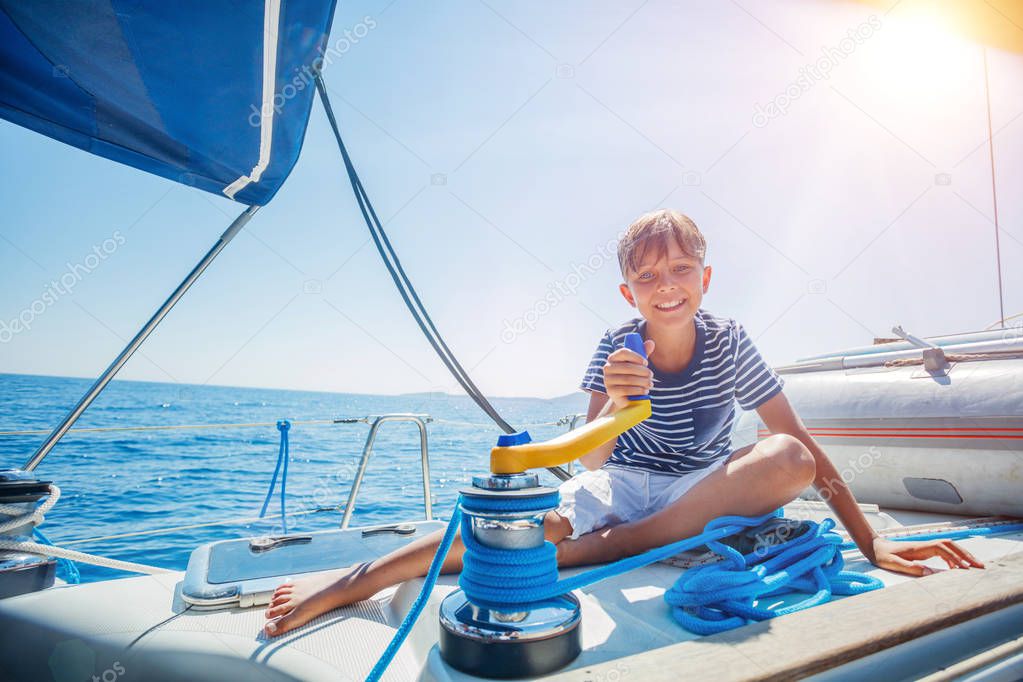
667	477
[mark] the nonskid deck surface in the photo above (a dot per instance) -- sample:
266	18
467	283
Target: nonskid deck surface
622	617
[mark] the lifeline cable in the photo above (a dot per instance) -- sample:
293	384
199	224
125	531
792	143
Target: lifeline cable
402	282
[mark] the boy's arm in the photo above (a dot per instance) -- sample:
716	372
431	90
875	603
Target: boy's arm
779	417
600	405
625	373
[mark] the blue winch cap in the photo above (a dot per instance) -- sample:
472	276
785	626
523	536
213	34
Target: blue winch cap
634	342
509	439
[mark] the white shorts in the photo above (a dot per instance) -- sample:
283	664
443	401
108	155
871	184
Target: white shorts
613	494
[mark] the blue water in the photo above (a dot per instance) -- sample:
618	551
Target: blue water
124	482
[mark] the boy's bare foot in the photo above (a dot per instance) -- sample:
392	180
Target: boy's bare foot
295	603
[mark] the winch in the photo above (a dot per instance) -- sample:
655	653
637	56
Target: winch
500	624
21	572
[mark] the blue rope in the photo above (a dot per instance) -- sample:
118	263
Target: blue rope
284	426
417	606
517	578
70	568
718	597
704	600
498	578
282	459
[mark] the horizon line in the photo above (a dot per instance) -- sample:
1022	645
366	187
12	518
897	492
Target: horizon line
295	390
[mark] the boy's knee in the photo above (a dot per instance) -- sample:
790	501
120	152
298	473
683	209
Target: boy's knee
556	527
792	458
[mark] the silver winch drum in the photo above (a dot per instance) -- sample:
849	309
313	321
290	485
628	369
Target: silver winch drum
23	572
481	641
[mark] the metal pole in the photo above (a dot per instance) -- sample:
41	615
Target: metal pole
994	194
134	344
367	451
425	455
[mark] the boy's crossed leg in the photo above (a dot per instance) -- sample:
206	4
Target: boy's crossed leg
755	480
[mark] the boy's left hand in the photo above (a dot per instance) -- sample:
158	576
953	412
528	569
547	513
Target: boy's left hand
900	556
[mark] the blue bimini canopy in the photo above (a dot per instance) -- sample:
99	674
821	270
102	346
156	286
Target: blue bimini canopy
211	94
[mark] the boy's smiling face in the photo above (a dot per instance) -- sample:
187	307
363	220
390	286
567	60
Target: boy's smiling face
667	288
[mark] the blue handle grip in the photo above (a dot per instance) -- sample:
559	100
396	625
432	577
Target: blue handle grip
634	342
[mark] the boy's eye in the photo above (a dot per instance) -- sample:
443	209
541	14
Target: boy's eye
646	275
682	268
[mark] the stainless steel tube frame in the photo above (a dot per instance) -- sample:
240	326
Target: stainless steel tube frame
576	418
140	337
367	450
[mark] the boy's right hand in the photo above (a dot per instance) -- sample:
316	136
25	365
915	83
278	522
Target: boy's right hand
627	373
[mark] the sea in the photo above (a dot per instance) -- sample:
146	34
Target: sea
149	496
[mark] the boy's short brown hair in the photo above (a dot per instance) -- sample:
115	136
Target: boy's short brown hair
654	230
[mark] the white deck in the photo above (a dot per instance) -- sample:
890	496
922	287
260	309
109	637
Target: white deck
622	617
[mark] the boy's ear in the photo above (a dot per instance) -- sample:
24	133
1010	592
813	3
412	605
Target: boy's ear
627	293
707	271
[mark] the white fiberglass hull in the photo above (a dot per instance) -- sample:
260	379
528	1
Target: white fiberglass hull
903	437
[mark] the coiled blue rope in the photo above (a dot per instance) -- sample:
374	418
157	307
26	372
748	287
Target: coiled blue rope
282	459
718	597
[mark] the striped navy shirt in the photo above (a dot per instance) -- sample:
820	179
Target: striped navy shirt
693	409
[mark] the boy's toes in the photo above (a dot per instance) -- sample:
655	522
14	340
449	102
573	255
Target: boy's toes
278	610
281	624
283	589
270	629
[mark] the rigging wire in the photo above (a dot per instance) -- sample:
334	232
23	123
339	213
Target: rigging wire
401	280
994	193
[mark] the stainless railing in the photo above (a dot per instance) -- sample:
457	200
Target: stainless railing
419	420
571	425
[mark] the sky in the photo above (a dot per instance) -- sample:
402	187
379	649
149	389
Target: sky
843	185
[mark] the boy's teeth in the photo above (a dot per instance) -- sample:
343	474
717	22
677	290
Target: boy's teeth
666	306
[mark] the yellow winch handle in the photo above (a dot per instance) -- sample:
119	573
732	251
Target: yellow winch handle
514	459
